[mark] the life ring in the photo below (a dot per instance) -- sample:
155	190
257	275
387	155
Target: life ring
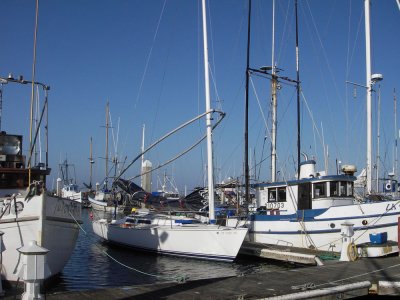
352	252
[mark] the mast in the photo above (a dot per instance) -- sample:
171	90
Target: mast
369	96
141	177
107	112
91	163
395	134
273	100
208	119
378	140
46	103
33	92
298	93
246	117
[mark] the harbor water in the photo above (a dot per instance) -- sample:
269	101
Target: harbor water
95	264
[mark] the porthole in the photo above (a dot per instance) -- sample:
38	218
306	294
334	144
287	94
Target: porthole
332	225
364	222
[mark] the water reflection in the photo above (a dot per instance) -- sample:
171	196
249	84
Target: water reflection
95	264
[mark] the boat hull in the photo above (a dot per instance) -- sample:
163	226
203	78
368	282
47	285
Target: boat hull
200	241
50	221
321	228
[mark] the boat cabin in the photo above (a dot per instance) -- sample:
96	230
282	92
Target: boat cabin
13	173
311	191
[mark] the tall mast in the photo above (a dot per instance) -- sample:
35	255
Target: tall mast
141	177
208	119
273	100
107	113
246	117
91	163
298	93
369	96
378	140
395	134
33	92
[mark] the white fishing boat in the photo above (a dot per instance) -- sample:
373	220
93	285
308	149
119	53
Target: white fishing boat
105	201
27	211
309	211
71	191
174	236
67	187
168	190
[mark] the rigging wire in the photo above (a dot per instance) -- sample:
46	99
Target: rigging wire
171	133
149	55
180	154
180	278
285	27
330	71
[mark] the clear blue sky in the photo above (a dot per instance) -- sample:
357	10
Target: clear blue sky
93	51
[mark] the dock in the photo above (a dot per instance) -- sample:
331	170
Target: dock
376	276
286	253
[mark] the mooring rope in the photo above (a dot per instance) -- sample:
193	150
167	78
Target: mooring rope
179	279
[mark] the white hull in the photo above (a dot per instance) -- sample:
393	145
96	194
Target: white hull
72	196
42	218
103	206
202	241
322	228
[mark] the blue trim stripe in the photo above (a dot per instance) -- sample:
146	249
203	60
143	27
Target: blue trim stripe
309	216
324	230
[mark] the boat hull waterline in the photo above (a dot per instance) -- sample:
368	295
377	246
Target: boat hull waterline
201	241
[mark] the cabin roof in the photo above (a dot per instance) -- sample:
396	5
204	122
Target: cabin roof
305	180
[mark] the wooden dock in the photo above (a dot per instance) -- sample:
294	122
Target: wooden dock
379	276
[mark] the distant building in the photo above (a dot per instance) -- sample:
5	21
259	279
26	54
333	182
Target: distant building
146	177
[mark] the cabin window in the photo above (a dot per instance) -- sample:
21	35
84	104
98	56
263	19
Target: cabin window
272	195
343	188
144	221
319	190
304	196
350	189
347	188
333	187
282	194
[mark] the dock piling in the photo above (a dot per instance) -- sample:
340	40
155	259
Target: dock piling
347	233
33	270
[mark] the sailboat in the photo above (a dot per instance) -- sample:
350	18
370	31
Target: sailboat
111	200
309	211
27	211
179	235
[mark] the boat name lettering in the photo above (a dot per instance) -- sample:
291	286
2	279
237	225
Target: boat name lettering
275	205
12	208
392	206
67	207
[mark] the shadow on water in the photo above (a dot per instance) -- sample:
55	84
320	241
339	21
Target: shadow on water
90	268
